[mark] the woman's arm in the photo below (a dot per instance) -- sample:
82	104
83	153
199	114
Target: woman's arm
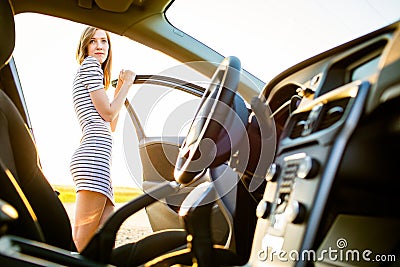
109	111
113	123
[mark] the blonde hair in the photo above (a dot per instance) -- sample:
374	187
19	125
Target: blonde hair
82	52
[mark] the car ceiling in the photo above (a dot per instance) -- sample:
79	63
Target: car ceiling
121	15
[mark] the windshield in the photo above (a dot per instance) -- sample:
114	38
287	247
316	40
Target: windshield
269	36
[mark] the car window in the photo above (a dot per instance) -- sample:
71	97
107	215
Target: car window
270	36
45	58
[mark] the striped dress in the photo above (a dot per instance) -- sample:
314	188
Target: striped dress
91	162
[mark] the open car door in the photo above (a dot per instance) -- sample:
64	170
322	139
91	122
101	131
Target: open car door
160	129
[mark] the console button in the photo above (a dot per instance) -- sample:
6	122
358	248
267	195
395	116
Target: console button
295	212
273	172
263	209
307	168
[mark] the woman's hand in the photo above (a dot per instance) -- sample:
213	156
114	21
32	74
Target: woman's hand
109	111
125	81
126	76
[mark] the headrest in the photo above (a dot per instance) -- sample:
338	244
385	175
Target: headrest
7	32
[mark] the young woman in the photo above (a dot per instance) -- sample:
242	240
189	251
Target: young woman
97	116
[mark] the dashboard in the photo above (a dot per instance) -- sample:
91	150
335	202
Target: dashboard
332	114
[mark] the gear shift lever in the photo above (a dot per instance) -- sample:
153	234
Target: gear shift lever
196	214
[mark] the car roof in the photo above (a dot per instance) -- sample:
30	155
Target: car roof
7	27
117	16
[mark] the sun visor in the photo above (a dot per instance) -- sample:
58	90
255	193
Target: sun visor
117	5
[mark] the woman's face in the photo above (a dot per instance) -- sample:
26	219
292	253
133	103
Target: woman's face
98	46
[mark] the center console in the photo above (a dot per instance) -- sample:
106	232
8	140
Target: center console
301	177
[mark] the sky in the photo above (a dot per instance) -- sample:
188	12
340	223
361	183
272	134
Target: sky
45	58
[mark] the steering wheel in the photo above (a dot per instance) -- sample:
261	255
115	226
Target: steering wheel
207	143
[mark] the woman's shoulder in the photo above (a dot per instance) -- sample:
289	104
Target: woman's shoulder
90	65
90	61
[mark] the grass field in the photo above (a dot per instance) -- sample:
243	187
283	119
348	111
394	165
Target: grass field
121	194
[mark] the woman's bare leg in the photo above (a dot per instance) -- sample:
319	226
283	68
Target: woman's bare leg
108	210
89	209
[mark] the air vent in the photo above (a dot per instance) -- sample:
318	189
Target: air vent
299	121
333	112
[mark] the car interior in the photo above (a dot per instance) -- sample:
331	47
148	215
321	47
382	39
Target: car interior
303	171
